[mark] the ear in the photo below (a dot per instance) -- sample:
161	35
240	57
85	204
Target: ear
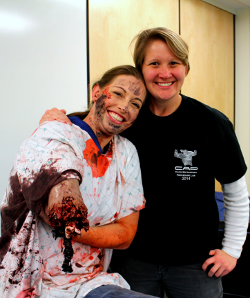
96	93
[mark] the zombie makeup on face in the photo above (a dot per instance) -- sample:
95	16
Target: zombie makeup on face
100	107
116	106
133	86
106	92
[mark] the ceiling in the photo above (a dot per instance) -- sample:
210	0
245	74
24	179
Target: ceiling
232	6
236	3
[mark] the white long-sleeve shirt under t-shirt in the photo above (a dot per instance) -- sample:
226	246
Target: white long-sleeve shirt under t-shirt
236	216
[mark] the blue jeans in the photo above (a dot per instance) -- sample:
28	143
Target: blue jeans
111	291
188	281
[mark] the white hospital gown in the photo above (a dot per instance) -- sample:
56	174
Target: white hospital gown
111	189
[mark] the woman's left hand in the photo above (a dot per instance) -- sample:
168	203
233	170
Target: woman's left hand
222	262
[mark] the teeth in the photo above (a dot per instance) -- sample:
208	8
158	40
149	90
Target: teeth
164	84
116	117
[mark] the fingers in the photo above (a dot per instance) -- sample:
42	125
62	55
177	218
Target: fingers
209	261
208	266
219	264
218	271
215	271
55	114
212	252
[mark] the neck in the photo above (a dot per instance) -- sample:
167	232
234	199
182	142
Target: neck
102	139
164	107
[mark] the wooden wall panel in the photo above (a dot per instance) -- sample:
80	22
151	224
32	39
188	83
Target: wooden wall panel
113	24
209	31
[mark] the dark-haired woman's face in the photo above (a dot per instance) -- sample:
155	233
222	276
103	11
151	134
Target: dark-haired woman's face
118	104
163	72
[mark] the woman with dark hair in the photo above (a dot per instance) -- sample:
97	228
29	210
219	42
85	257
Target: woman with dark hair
63	172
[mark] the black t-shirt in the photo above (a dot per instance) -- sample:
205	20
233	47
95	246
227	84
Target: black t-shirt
180	156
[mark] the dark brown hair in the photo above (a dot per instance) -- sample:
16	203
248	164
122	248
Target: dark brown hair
107	78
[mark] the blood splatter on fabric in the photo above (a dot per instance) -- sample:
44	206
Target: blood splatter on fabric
23	197
98	162
122	179
33	258
28	293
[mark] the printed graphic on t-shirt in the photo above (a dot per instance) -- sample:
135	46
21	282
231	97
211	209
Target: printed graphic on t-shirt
188	170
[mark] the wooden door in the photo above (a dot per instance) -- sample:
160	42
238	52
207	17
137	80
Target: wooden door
209	32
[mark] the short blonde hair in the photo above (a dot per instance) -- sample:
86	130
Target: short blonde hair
174	41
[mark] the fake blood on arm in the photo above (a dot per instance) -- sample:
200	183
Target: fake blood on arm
67	214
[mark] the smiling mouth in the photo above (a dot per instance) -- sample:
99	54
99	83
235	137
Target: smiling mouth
116	117
165	84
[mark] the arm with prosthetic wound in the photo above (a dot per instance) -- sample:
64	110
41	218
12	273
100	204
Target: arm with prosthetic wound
67	214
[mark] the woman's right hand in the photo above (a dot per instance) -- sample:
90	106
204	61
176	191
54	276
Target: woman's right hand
55	114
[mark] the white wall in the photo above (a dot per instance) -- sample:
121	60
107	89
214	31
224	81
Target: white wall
42	65
242	84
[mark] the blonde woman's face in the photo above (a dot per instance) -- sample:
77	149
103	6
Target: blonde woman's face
163	72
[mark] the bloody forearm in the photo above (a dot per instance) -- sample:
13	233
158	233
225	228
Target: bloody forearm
117	235
67	214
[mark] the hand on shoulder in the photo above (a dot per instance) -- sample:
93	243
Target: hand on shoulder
55	114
